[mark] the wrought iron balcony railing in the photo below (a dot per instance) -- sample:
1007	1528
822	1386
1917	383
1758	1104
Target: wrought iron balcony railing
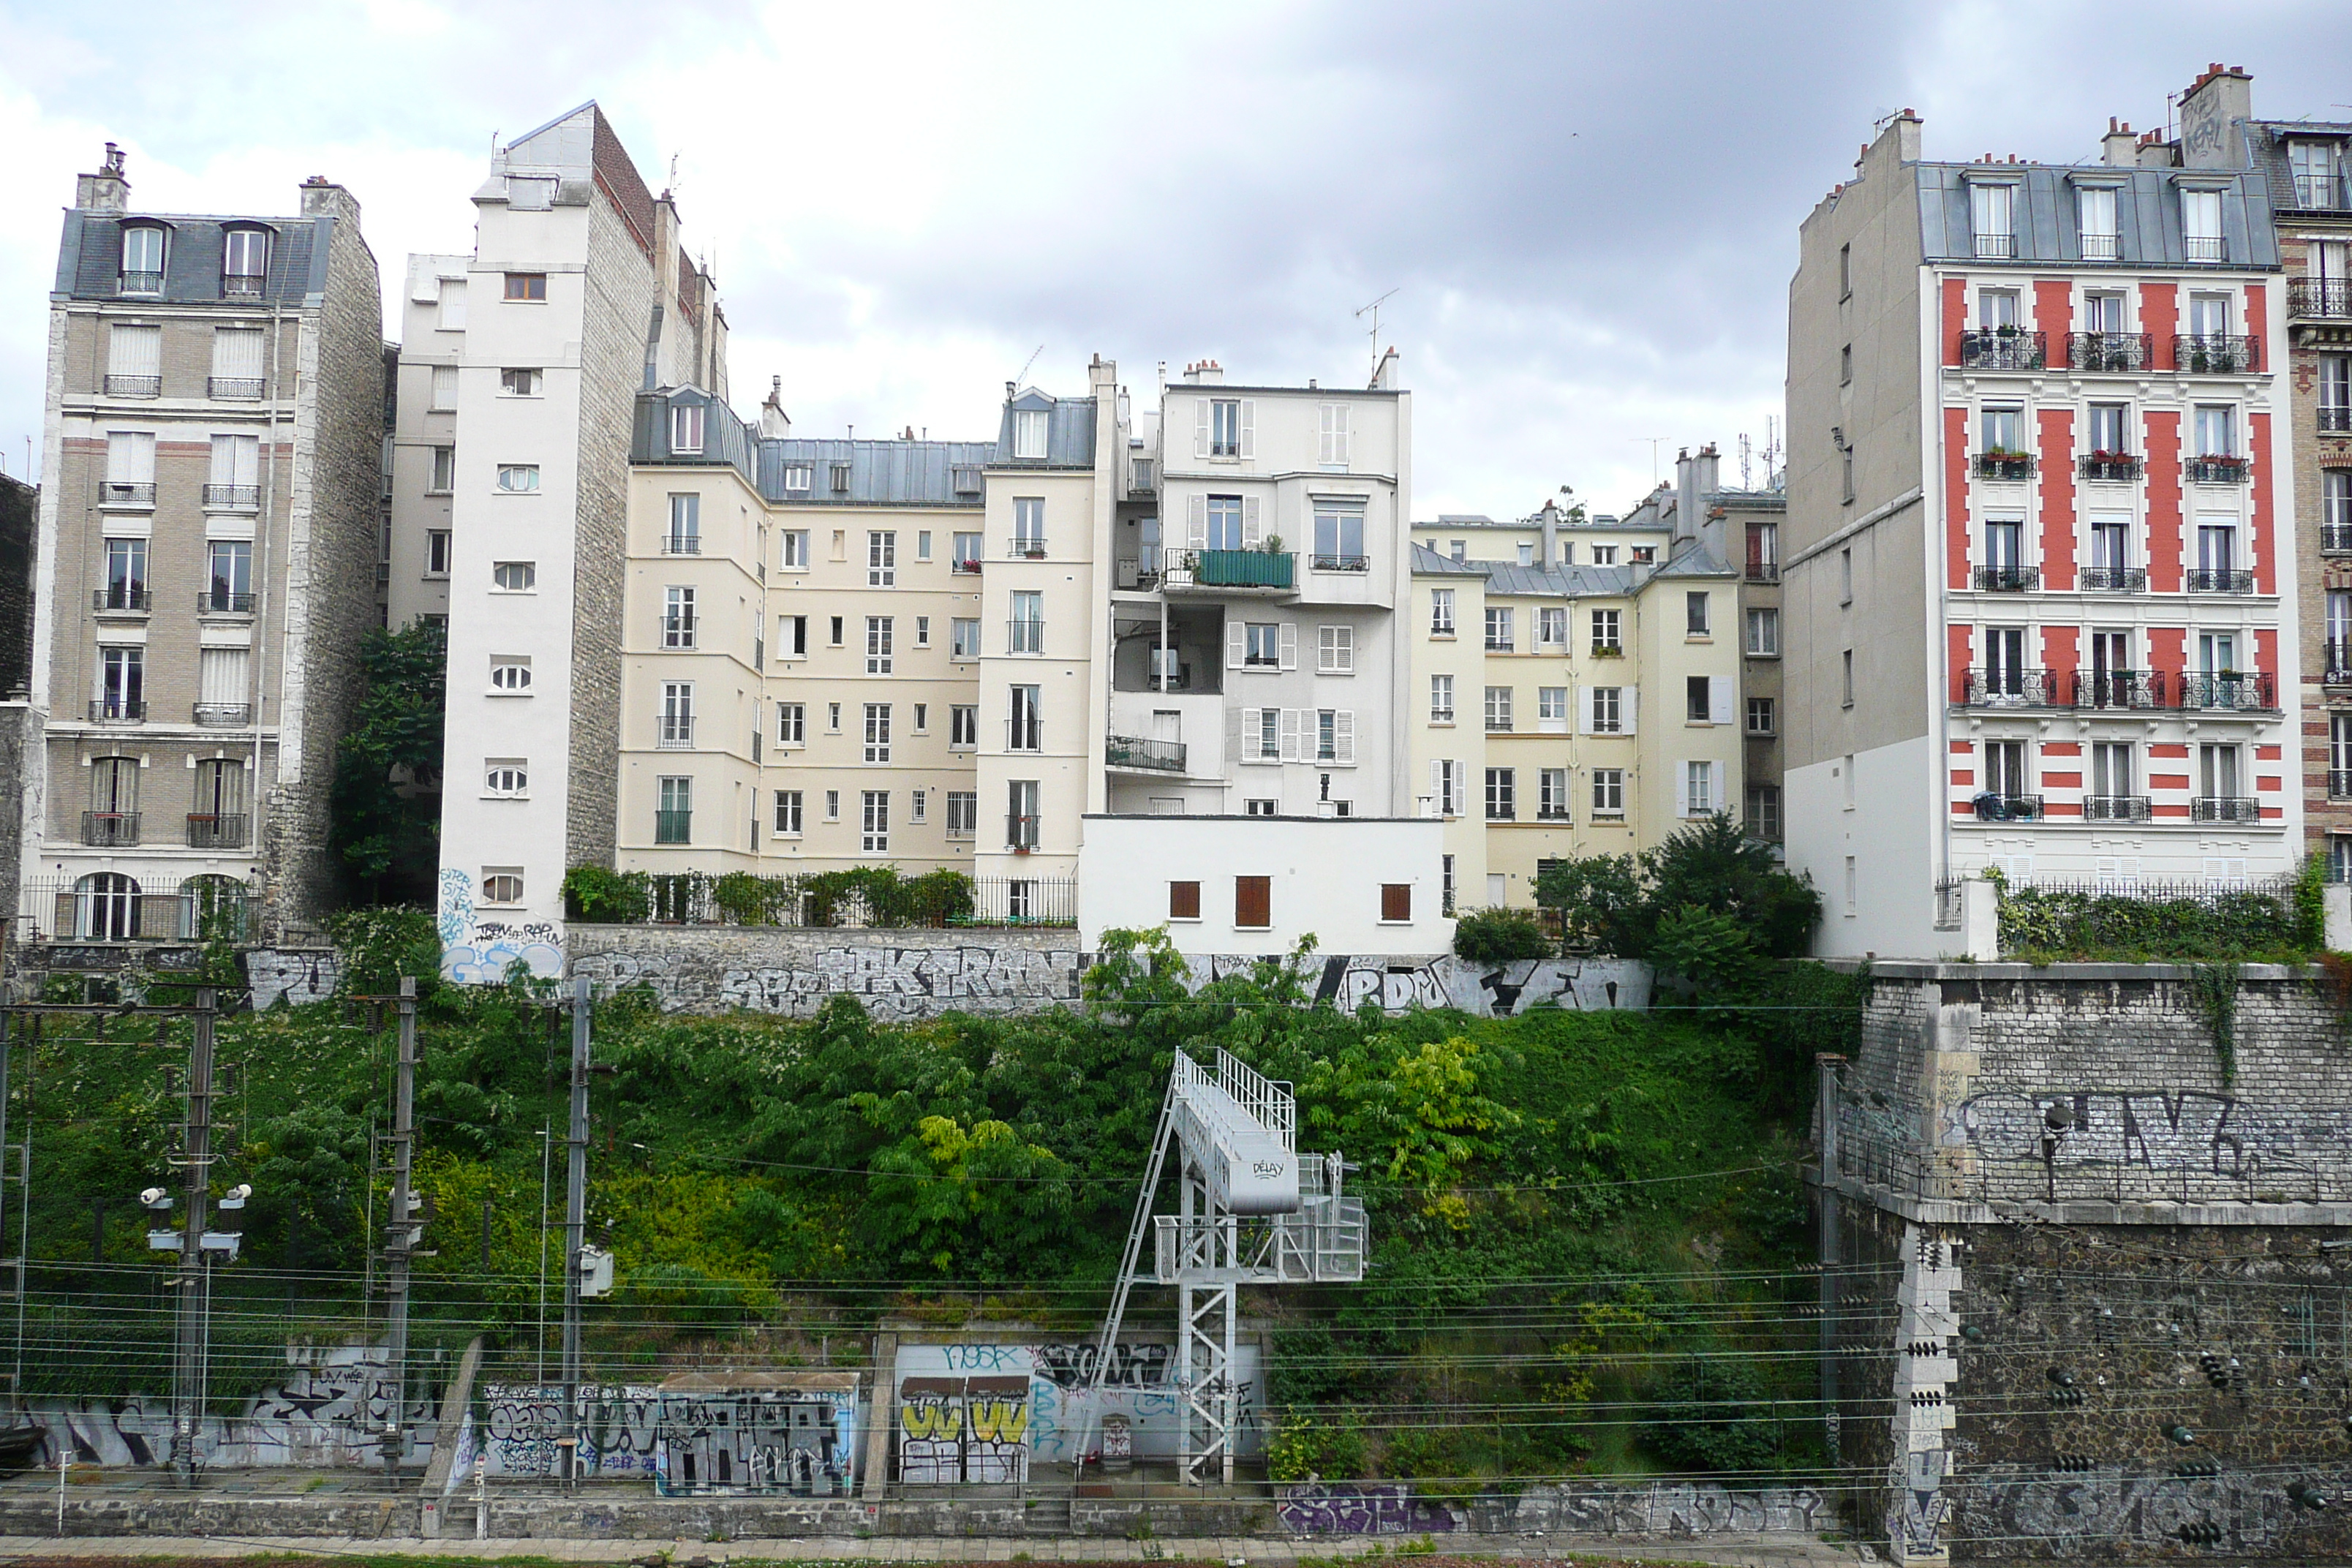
240	285
2003	348
141	283
2119	689
2254	691
2111	466
2115	808
215	832
2008	579
125	492
218	715
1139	752
672	826
117	711
1024	549
122	599
109	829
233	498
2339	783
2224	808
221	602
2006	686
134	387
2338	661
2336	537
2335	420
2319	298
2107	352
1996	806
2215	580
235	388
2216	353
2116	579
1342	562
681	544
2220	470
2004	465
1763	572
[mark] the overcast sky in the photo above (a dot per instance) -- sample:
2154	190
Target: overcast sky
1586	212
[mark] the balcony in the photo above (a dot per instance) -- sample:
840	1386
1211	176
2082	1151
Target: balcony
2119	689
215	832
122	599
235	388
1996	247
2107	353
2004	348
2220	470
125	492
134	387
1024	549
2007	687
1025	636
681	544
2224	808
2008	579
964	566
2319	298
2115	808
1762	572
240	285
2256	691
1244	569
2012	466
219	715
140	283
1137	574
2116	579
676	734
2336	661
221	602
1342	562
1020	832
1136	752
2339	785
2111	466
1995	805
109	829
2214	580
2336	537
117	711
674	826
233	498
2216	353
2336	420
2205	248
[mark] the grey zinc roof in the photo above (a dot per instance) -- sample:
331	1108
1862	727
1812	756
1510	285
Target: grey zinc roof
2268	149
726	438
1428	563
1069	432
1748	501
881	473
1507	579
89	257
2147	214
1698	561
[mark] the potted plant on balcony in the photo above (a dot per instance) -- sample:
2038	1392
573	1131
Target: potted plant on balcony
1273	545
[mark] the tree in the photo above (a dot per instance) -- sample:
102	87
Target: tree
386	799
1616	902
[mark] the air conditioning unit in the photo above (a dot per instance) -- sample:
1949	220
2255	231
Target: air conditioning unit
1129	574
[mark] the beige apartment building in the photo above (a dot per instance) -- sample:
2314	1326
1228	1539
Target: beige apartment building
214	452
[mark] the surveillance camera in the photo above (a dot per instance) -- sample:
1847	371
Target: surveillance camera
156	1198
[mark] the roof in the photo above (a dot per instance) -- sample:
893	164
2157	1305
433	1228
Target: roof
89	257
880	473
2147	214
1507	579
1069	432
1747	500
1698	561
2268	153
1604	521
1428	563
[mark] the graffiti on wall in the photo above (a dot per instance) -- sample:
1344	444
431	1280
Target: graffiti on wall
2069	1512
294	977
793	1440
959	1429
1671	1508
480	951
1488	990
1342	1508
326	1417
1139	1385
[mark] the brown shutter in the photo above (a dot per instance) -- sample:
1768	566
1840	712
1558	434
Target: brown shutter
1183	900
1396	900
1254	902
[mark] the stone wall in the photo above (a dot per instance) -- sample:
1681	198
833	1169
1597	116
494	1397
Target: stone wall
274	975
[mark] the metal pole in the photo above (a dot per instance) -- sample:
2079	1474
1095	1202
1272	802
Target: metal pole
1828	1066
575	1211
188	1361
400	1235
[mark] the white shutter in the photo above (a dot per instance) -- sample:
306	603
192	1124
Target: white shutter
1340	435
1253	531
135	350
1437	787
237	460
1249	422
130	457
1236	644
1196	523
1718	700
1236	725
453	305
1456	774
237	353
1682	789
1584	710
1629	706
1287	640
1343	736
220	675
1200	428
1290	717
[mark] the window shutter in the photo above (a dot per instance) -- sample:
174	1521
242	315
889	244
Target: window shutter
1339	434
1200	428
1236	644
1682	789
1288	641
1584	711
1290	735
237	353
1437	787
1323	450
1253	531
1454	801
1718	700
1196	523
1237	724
1343	736
1629	705
1249	424
135	350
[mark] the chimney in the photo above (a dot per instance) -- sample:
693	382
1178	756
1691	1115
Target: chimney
322	197
2119	149
1550	519
773	421
1384	374
109	190
2213	113
1206	372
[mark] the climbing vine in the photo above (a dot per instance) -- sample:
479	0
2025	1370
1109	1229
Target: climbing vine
2213	988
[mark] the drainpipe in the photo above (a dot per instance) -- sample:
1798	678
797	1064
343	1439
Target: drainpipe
258	689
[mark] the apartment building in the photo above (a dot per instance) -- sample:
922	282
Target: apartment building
1577	538
421	465
212	443
577	298
2038	613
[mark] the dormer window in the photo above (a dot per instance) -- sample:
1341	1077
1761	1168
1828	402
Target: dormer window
1992	218
2095	215
1029	433
143	258
686	429
245	261
2313	166
796	477
2200	226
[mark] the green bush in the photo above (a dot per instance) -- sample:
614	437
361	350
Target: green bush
1614	903
1712	1413
602	896
1497	936
1305	1444
379	946
2051	924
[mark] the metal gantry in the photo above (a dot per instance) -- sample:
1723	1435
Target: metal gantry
1251	1210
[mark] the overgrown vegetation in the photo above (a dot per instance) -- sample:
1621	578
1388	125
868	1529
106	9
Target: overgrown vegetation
387	801
1498	936
867	895
2255	925
1708	896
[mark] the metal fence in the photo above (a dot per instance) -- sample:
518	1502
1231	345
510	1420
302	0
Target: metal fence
110	906
832	900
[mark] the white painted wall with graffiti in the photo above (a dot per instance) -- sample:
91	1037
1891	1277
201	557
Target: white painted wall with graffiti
326	1416
478	946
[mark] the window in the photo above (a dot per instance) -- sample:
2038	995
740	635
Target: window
1845	475
964	552
1607	709
130	469
1845	660
1698	789
1254	902
877	732
1456	550
963	813
1227	524
511	674
1764	813
1502	795
2004	768
1498	709
229	577
1845	365
1760	716
126	574
1339	538
2200	226
834	627
878	659
1696	618
795	550
1334	651
1023	728
519	479
2335	394
874	822
1499	637
1026	632
685	536
2312	165
122	683
437	553
512	384
518	576
501	886
674	810
1764	633
840	478
2111	546
1261	734
1183	900
1608	792
791	723
2095	219
1225	427
1396	903
143	258
685	428
2335	497
1331	450
1029	433
676	729
788	814
963	724
1551	709
2216	430
1335	736
1446	786
881	560
1845	576
1440	612
1605	632
2109	429
509	778
963	638
444	471
237	362
1551	793
1604	555
1694	695
1846	271
1029	528
527	287
833	806
1021	814
134	362
1441	700
1990	209
792	636
1261	643
678	618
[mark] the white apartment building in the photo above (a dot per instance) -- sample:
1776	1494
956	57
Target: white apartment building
422	465
576	298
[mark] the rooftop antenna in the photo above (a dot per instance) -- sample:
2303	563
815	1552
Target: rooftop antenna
673	173
1656	442
1373	310
1026	364
1747	480
1772	474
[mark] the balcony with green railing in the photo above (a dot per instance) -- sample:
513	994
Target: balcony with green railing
1244	569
